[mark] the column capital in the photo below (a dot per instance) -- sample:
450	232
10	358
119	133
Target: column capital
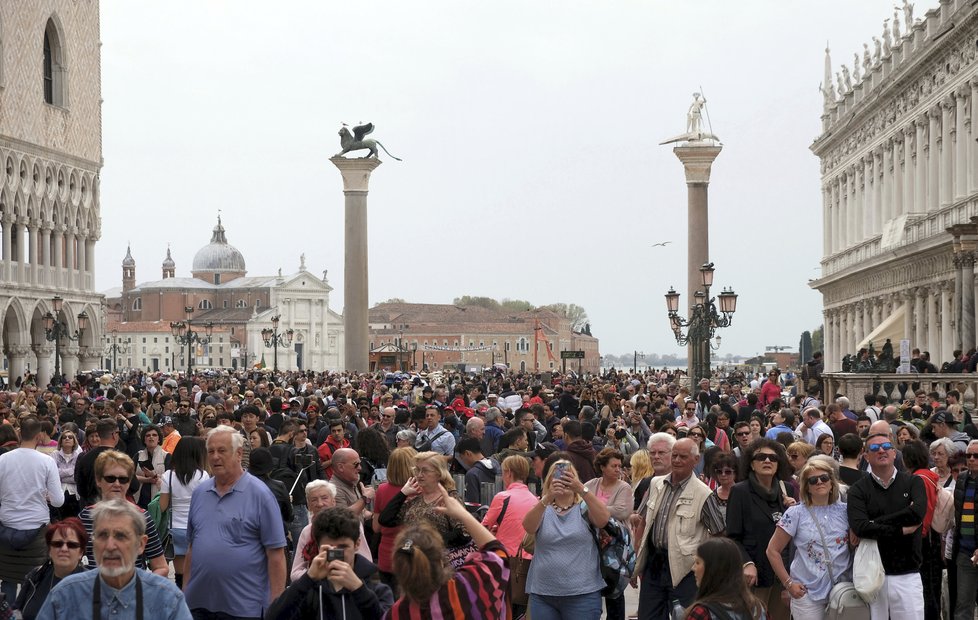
963	91
934	112
355	172
948	103
697	161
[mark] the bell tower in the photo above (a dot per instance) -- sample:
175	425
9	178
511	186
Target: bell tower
128	271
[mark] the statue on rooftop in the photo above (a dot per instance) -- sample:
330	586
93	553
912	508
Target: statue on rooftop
846	78
867	60
840	83
357	142
896	24
908	15
855	68
887	43
878	52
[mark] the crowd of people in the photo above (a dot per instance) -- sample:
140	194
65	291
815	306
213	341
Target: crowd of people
343	495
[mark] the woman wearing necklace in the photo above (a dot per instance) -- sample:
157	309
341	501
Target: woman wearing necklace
560	522
417	500
617	496
753	510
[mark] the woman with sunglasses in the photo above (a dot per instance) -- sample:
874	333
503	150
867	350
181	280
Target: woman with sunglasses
66	457
66	540
698	434
819	529
753	510
724	468
113	473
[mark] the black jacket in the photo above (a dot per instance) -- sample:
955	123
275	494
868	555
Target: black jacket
960	485
751	521
875	512
37	585
307	598
85	475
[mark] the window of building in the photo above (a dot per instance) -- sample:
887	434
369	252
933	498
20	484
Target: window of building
258	303
155	339
241	303
54	66
225	303
217	278
144	340
137	304
205	304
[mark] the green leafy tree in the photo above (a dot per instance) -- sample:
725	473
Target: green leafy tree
516	305
577	315
481	302
818	337
394	300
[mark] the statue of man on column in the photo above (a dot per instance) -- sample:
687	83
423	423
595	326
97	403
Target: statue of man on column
694	116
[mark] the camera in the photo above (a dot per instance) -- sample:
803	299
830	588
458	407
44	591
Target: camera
335	554
303	460
619	433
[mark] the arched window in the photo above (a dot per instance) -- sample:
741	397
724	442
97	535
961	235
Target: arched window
205	304
137	304
54	70
241	303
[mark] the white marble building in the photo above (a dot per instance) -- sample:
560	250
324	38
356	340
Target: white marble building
899	163
50	158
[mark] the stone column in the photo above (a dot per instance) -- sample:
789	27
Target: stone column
17	361
967	316
947	321
947	151
957	297
827	339
908	170
920	333
973	139
845	232
908	307
826	221
840	343
961	145
934	159
45	357
45	253
868	325
69	360
356	178
59	242
920	165
878	309
933	339
858	333
897	175
834	205
855	172
867	194
697	159
879	209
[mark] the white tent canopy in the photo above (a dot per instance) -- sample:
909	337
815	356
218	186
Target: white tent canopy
891	327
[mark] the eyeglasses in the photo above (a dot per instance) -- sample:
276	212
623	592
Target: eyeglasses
742	433
302	430
813	480
765	456
356	464
971	456
58	544
725	472
116	479
876	447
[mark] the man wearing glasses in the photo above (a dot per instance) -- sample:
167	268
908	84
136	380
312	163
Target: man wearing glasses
889	507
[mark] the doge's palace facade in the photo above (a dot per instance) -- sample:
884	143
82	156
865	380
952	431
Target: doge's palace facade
899	164
50	157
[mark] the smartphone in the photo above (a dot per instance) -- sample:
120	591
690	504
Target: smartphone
335	554
559	469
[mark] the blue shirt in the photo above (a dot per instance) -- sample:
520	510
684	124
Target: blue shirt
228	539
72	599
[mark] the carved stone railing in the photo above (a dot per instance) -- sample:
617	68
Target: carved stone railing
897	387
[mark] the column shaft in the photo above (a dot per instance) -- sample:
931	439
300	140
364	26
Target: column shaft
947	329
933	343
947	153
867	196
920	166
844	230
961	146
909	193
934	160
826	222
897	175
920	334
973	140
967	316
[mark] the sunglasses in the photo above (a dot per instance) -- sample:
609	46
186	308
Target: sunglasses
725	472
116	479
743	433
813	480
876	447
971	456
58	544
765	456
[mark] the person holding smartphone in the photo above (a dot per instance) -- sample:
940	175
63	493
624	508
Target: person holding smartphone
339	583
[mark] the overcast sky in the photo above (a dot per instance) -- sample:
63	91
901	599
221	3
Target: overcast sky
530	137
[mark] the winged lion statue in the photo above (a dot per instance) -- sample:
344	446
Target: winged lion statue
355	141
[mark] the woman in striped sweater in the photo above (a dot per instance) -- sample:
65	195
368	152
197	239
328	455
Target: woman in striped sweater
477	590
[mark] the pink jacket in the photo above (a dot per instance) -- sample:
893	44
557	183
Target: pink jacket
510	532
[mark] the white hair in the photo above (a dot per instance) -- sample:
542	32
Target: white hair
321	484
237	439
662	437
950	448
842	401
119	508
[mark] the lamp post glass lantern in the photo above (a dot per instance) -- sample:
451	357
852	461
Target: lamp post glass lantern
704	319
273	339
55	329
184	334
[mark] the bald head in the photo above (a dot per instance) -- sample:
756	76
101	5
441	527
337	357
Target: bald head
475	427
345	462
880	428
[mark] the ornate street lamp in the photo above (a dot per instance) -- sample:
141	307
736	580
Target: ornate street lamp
704	319
184	334
114	348
55	329
273	339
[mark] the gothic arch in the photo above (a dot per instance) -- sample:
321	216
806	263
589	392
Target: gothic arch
55	63
14	324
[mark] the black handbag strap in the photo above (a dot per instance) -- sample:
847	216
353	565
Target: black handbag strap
97	597
502	512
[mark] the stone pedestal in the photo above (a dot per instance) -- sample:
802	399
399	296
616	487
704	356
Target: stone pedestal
356	177
697	162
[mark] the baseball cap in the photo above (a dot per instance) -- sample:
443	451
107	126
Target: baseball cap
943	417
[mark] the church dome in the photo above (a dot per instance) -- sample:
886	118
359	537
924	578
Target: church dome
168	262
218	255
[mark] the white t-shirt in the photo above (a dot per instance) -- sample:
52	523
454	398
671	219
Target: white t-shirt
28	481
180	495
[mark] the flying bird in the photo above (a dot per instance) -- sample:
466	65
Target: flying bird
662	244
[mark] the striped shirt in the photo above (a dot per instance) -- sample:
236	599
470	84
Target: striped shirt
153	546
968	542
479	590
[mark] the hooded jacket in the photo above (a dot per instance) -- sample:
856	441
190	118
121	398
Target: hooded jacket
582	456
307	598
